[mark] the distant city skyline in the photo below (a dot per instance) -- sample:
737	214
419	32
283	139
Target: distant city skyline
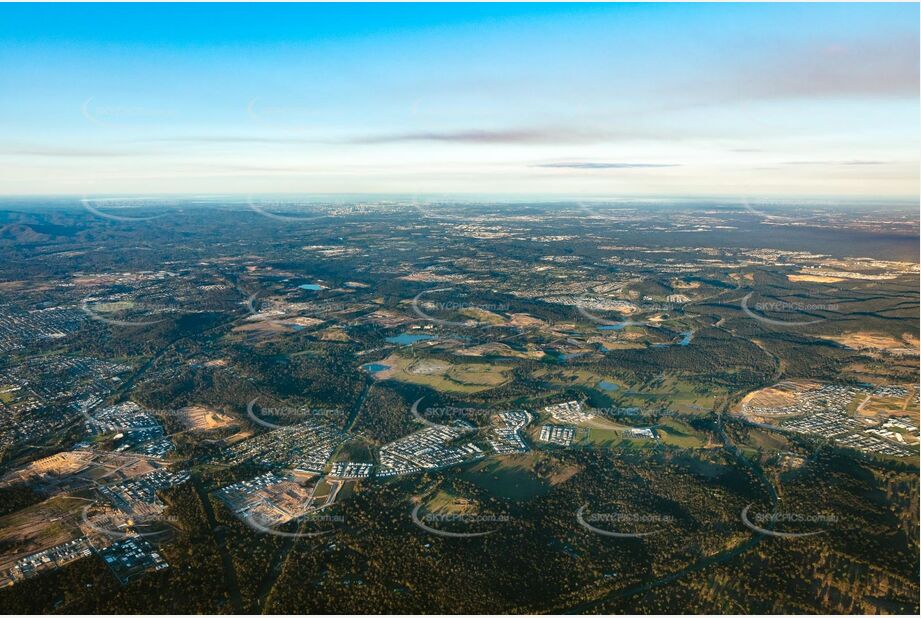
659	100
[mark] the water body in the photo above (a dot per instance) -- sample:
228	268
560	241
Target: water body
686	338
375	367
408	339
608	386
313	287
620	325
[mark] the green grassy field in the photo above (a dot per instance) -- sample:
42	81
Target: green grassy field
678	433
508	477
440	375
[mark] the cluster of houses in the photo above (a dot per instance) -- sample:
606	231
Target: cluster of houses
19	329
305	447
44	394
351	470
139	494
903	423
129	558
51	558
268	499
506	433
427	449
646	433
872	444
569	412
134	429
824	413
557	434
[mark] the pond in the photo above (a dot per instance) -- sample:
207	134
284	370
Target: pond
408	339
620	325
686	338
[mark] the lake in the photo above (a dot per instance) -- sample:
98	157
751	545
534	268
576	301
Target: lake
686	338
621	325
408	339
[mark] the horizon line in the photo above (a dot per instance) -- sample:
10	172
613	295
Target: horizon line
484	195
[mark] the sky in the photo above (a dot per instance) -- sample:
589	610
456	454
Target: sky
602	100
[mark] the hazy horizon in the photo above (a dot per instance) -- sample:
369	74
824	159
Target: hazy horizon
668	100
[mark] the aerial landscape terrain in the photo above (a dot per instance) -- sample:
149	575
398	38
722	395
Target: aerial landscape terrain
439	406
460	309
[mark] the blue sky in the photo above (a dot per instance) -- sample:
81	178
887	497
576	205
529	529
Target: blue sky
792	100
